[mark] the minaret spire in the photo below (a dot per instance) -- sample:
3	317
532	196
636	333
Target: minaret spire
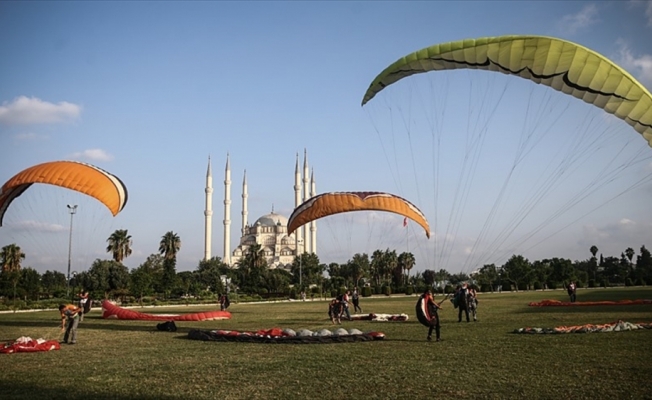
306	196
208	212
313	224
297	201
227	211
244	203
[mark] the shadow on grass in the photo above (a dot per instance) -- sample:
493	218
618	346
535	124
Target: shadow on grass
643	308
32	390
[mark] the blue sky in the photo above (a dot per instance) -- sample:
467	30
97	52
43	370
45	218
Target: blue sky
148	90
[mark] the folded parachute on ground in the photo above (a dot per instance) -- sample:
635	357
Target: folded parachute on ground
110	310
81	177
340	202
560	64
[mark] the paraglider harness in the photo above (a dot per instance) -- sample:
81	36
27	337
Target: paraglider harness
167	326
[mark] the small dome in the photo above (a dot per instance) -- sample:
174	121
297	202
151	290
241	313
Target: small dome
272	219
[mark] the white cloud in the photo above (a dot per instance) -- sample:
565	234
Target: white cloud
31	110
572	23
35	226
639	66
647	4
612	239
93	154
29	136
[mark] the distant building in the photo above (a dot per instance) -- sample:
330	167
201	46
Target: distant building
270	230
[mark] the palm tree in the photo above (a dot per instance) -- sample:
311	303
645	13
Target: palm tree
170	245
11	257
629	252
119	245
594	250
406	261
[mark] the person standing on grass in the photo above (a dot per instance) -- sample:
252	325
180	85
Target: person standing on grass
84	304
345	304
69	322
462	304
427	314
472	303
356	300
572	288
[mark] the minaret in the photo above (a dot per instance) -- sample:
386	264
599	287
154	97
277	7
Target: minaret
297	202
313	224
306	196
208	212
244	204
227	212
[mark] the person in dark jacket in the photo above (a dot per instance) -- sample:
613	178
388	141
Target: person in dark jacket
462	305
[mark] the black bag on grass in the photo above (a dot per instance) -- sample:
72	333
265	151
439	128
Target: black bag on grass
167	326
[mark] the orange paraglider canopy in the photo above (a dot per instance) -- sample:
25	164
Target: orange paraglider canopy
78	176
339	202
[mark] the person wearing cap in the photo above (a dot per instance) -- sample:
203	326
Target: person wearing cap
69	321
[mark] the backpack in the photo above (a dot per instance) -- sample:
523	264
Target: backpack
167	326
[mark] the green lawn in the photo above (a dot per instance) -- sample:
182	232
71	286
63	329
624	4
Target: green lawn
131	360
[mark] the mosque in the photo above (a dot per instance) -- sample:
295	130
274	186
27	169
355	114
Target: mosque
270	230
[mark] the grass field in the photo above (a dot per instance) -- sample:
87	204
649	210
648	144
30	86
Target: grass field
132	360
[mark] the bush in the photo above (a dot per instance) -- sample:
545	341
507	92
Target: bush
603	283
333	293
366	291
552	285
378	290
387	290
537	285
628	282
522	286
640	282
591	283
449	289
409	290
293	293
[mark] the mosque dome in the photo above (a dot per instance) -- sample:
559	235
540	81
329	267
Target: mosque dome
271	219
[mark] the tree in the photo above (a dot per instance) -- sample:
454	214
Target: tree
359	267
406	261
108	276
54	283
10	258
140	283
629	252
119	245
209	275
488	275
644	265
169	247
31	282
594	250
251	267
517	270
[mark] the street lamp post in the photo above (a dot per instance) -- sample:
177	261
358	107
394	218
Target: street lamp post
299	243
72	210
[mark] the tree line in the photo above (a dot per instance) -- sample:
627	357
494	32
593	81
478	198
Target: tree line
384	271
